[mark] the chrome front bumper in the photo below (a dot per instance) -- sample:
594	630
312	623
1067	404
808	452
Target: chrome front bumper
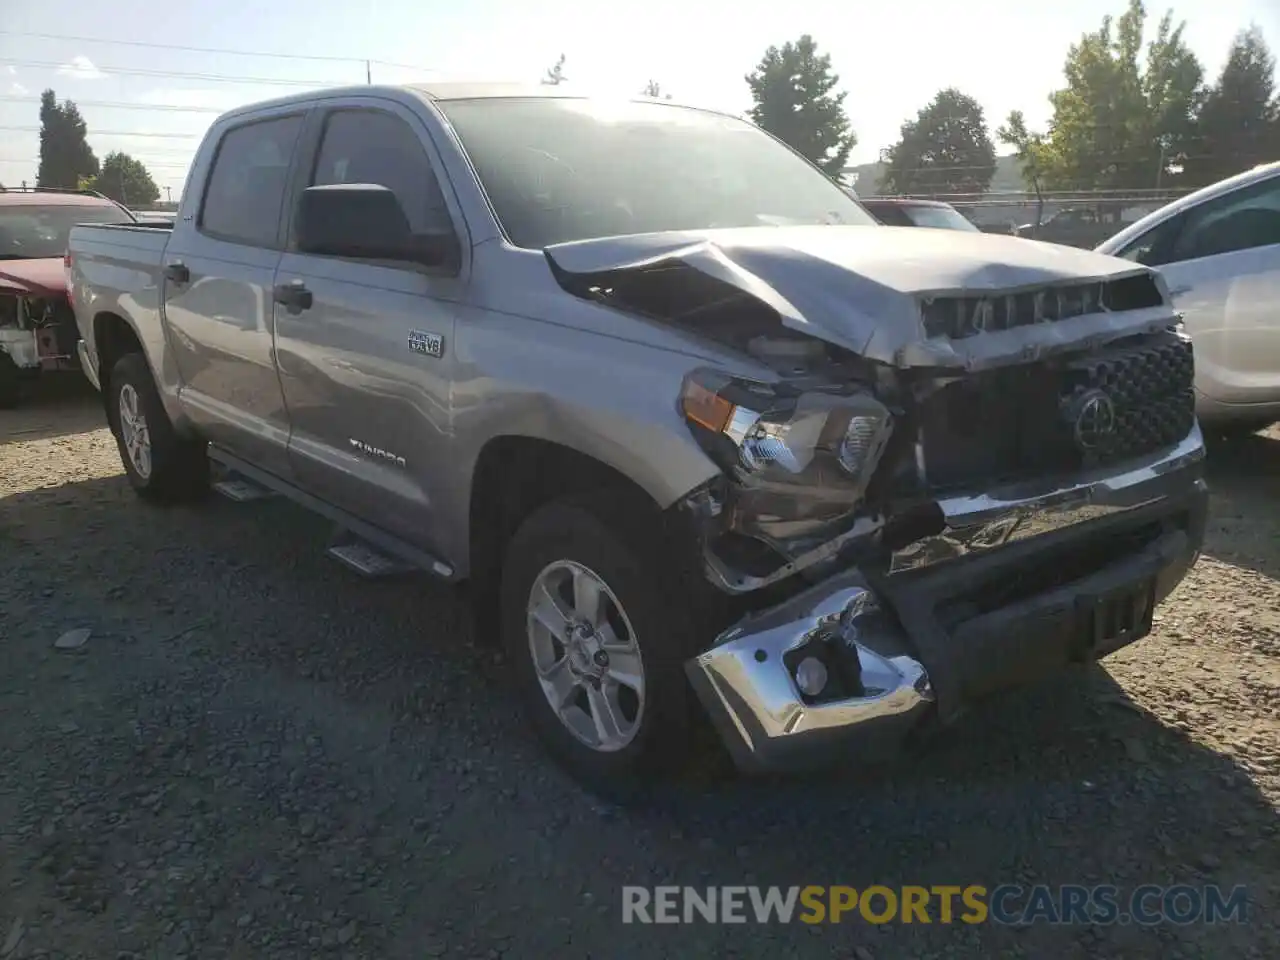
746	679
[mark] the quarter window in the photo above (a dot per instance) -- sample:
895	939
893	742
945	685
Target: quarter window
370	146
246	185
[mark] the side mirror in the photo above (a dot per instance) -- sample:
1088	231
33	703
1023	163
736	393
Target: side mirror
366	221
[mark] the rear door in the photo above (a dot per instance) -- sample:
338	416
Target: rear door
218	272
367	367
1223	269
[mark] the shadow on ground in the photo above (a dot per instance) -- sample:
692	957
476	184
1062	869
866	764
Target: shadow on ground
1069	782
1244	478
57	405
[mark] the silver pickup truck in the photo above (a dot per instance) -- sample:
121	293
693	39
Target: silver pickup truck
702	438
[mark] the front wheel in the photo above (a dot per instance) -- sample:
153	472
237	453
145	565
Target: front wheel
596	638
161	465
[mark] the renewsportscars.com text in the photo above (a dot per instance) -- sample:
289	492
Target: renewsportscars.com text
973	904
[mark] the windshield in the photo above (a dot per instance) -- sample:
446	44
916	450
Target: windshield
561	170
37	232
940	218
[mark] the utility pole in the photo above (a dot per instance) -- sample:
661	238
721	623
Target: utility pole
368	72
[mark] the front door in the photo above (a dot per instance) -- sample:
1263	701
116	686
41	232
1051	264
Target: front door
366	368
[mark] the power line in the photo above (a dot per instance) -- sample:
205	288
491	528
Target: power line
220	50
121	133
136	105
172	46
170	74
149	164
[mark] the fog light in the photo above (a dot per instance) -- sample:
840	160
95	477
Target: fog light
811	676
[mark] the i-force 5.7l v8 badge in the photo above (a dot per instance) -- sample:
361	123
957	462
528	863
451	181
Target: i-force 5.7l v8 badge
430	344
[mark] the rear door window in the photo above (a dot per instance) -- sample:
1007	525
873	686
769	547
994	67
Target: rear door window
247	183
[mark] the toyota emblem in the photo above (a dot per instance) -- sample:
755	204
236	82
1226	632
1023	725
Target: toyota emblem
1095	419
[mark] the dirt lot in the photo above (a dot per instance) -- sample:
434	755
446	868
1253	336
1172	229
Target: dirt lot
257	755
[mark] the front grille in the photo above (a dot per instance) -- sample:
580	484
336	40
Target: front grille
966	316
1060	415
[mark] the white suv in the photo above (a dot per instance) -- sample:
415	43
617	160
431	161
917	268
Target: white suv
1219	251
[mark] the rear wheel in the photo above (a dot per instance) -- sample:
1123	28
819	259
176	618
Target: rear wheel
161	465
596	638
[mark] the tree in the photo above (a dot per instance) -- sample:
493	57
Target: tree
945	149
792	87
555	74
654	89
1239	124
124	180
1032	153
1118	123
65	155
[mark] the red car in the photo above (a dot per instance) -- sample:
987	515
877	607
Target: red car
37	327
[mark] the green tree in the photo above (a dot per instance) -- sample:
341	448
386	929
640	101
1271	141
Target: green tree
945	149
65	156
124	180
793	89
555	74
1173	86
1239	124
1119	122
1032	152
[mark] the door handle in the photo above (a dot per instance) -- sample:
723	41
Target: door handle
294	296
177	272
1179	291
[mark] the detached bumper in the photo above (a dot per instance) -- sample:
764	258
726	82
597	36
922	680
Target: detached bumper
1019	585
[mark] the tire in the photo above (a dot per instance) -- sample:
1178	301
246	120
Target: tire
162	466
644	603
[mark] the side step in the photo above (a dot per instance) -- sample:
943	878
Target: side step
365	548
367	560
240	490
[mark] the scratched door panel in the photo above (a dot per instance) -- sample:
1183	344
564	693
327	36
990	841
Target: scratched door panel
365	373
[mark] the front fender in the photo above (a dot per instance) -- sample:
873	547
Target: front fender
611	400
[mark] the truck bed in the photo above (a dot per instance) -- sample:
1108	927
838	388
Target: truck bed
141	242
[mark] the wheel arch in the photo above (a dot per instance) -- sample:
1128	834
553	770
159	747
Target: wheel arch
516	474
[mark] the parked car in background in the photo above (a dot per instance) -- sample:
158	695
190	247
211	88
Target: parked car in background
1219	252
695	428
1075	226
37	325
906	212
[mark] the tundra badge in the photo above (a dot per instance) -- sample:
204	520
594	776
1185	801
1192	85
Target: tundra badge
370	450
431	344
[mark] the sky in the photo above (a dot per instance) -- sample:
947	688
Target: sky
153	102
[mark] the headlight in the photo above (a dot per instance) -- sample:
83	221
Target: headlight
819	439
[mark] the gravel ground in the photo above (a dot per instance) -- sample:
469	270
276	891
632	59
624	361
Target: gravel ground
256	754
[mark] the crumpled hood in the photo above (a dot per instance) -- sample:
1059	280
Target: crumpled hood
862	287
33	278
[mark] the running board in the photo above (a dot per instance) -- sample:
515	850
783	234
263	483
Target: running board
367	549
368	561
241	490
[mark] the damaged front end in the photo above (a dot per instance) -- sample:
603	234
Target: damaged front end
911	508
